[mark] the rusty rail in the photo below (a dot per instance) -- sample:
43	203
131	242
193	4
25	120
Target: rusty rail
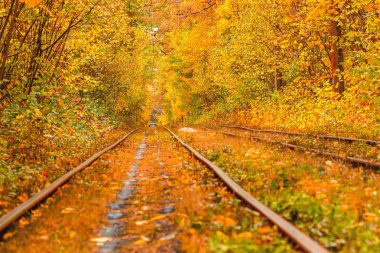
20	210
316	151
296	235
329	137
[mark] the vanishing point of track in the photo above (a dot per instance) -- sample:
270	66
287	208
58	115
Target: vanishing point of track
306	243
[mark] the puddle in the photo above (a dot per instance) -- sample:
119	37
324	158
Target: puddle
115	215
167	209
118	228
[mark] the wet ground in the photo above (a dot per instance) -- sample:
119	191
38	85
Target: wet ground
147	195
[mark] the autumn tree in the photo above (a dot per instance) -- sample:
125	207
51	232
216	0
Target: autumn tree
236	56
70	71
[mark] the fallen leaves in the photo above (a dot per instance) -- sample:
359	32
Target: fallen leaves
158	217
252	151
72	234
36	213
4	203
143	222
244	235
224	220
47	184
23	222
23	197
68	210
9	234
222	235
370	192
264	230
45	173
170	236
142	240
371	217
182	223
101	240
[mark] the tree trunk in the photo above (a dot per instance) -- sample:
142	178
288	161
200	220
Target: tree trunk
337	59
278	83
8	38
34	63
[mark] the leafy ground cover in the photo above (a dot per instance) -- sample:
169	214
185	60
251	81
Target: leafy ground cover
332	202
24	173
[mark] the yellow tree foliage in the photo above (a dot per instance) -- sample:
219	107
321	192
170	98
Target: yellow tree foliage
31	3
258	57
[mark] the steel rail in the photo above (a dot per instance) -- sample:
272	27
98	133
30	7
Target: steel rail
20	210
330	137
296	235
345	158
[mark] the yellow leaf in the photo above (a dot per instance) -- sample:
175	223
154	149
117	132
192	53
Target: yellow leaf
158	217
8	235
225	221
38	112
24	197
182	223
221	235
36	213
264	230
245	235
368	192
47	184
101	240
68	210
142	240
31	3
371	217
23	222
72	234
139	242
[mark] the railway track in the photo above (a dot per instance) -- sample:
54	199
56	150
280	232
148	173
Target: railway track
327	137
116	228
20	210
297	236
347	158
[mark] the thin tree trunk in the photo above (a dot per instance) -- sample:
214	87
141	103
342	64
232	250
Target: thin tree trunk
278	83
337	56
7	18
34	64
7	41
